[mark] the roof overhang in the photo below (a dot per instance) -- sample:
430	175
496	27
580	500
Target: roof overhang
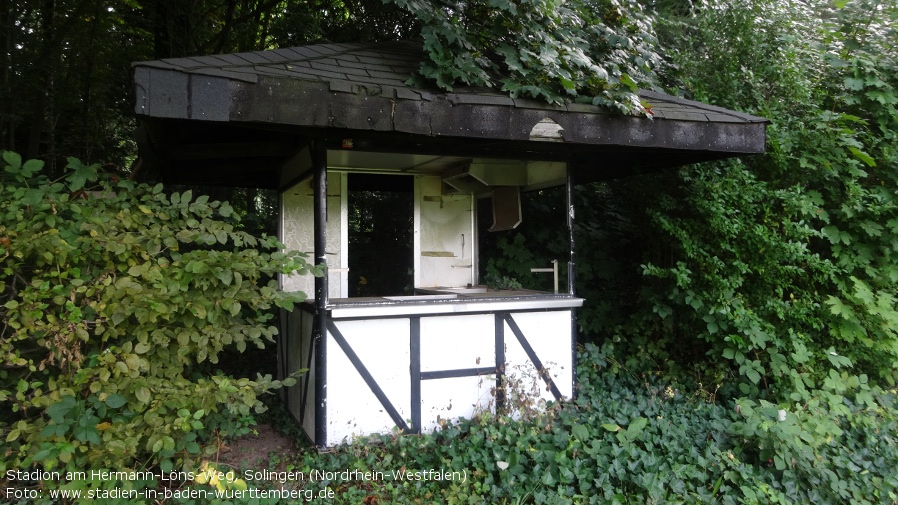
235	119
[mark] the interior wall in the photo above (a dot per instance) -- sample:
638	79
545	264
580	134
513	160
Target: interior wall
445	242
297	233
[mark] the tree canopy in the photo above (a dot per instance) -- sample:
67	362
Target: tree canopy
66	78
65	86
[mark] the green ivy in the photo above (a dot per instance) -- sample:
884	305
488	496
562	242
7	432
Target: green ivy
636	436
592	51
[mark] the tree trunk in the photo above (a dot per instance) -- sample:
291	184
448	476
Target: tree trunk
45	68
87	79
250	203
6	140
225	35
172	28
265	23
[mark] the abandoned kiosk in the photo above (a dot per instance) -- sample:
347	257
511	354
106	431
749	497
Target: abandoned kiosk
329	125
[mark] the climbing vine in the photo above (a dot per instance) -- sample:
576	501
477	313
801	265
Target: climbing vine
591	51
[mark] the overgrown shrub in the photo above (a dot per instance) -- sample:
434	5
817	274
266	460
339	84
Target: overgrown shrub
780	269
785	264
116	302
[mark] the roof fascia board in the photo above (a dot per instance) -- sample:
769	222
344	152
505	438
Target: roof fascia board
275	101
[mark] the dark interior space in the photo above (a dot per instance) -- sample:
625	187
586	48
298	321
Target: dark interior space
381	221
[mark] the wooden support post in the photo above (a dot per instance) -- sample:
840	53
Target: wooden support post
572	278
319	166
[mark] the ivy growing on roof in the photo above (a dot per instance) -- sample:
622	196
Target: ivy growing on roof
590	51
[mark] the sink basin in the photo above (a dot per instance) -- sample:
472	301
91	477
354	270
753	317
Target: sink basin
457	290
462	290
422	297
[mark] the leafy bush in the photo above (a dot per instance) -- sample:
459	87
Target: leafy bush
778	269
783	265
773	278
116	302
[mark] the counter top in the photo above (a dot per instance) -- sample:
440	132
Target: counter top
492	301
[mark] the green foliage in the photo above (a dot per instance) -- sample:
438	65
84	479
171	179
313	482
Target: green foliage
509	255
593	51
779	269
502	283
117	300
774	277
786	265
635	436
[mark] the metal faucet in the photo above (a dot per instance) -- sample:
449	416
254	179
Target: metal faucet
554	270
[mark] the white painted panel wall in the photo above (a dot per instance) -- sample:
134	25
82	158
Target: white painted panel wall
297	233
292	340
458	342
451	399
549	335
352	409
444	236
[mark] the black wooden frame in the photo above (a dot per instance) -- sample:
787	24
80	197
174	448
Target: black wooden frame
502	319
322	325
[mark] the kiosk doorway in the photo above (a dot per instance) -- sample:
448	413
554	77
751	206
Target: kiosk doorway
381	234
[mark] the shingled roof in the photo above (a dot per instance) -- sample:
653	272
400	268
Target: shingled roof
247	110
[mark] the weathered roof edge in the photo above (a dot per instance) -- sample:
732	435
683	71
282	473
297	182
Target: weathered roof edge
171	94
349	62
388	66
359	91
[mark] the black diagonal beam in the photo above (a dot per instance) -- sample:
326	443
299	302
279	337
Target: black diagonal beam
366	375
307	379
533	357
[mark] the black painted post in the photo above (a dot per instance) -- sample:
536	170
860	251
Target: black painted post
571	270
415	370
500	361
572	278
319	165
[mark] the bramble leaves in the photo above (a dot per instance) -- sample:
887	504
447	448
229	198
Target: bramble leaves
114	297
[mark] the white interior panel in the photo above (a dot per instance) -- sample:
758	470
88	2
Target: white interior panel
444	236
297	233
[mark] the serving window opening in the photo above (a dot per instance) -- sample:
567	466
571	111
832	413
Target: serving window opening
407	226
